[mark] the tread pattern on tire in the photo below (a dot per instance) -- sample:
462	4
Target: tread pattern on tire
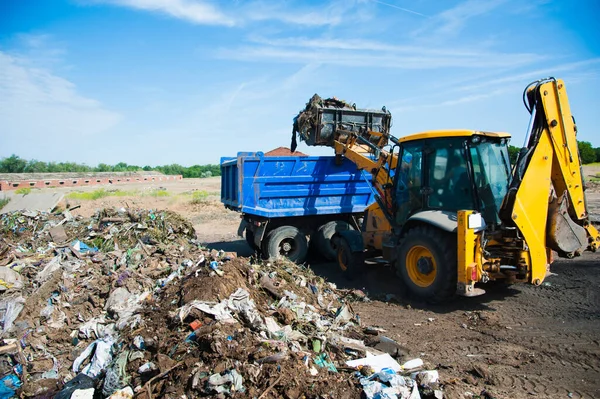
270	246
444	287
324	235
355	266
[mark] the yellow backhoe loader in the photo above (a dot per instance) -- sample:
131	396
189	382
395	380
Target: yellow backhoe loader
451	211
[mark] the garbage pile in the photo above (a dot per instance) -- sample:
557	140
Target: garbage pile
128	304
323	119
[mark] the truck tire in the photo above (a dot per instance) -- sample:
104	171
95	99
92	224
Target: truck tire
350	262
427	263
325	246
286	241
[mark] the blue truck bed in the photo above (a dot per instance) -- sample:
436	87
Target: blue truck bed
288	186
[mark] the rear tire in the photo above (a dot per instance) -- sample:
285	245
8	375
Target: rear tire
427	263
325	246
286	241
350	262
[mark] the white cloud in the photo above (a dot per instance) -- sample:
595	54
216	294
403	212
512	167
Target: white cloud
480	88
39	109
361	44
399	8
450	22
40	49
326	14
205	12
361	54
571	67
198	12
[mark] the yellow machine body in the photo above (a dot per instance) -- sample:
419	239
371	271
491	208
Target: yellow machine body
543	211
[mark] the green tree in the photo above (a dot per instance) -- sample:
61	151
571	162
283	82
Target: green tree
12	164
15	164
513	153
120	167
102	167
586	152
34	166
597	151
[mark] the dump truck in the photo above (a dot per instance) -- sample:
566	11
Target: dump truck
290	203
450	211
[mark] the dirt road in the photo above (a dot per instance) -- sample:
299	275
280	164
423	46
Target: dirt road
516	341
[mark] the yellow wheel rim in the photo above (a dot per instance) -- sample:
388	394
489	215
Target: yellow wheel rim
421	267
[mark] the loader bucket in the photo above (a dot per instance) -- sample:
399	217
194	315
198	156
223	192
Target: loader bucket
322	121
564	235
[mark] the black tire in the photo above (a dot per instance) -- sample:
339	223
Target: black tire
286	241
427	263
250	240
325	246
350	262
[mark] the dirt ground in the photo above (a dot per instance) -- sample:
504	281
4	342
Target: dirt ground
213	223
516	341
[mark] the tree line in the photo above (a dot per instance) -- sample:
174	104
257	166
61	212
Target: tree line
16	164
587	152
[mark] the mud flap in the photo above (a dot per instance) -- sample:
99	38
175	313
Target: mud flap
258	232
564	235
242	227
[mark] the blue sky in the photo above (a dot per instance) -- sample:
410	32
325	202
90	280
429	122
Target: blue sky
153	82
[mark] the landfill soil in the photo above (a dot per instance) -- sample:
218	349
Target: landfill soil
516	341
129	299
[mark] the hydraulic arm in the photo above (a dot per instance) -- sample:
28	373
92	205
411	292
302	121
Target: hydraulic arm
450	213
546	199
361	135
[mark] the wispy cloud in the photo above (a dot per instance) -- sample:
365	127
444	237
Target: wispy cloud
38	107
327	14
485	87
364	53
399	8
40	49
328	43
205	12
576	67
450	22
197	12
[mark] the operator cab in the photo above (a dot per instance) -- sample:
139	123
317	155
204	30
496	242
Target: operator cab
452	171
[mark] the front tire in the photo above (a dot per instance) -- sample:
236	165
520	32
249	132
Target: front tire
350	262
427	263
324	235
286	241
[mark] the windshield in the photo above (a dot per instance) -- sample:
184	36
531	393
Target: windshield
492	175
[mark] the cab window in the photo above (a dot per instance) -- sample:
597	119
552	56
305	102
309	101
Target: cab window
408	186
448	179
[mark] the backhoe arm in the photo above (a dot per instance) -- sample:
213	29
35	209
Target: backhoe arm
379	168
546	200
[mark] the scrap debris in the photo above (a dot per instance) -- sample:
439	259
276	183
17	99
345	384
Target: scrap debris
128	304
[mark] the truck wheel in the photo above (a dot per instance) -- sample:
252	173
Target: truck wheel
427	263
286	241
250	240
325	246
349	261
